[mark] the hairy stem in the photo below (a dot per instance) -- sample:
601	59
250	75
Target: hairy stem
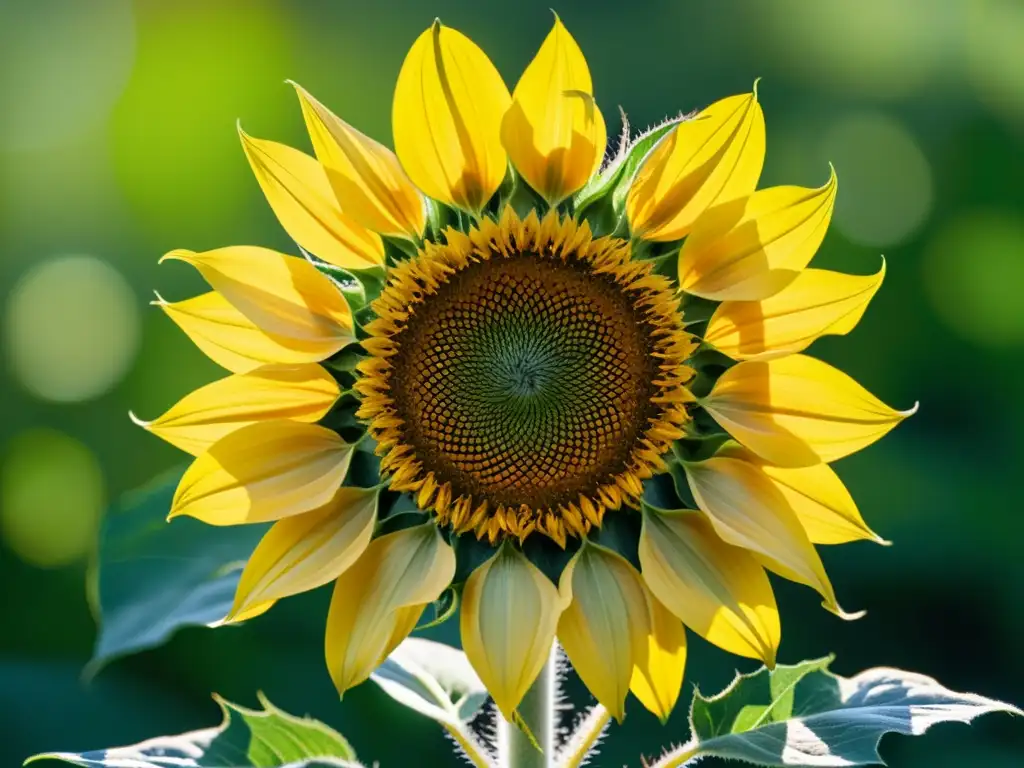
678	757
537	710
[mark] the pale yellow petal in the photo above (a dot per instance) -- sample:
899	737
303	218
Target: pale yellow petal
554	133
821	502
284	296
815	304
297	392
797	411
747	510
658	676
751	248
366	176
509	615
379	599
266	471
605	627
446	119
306	551
231	339
297	188
713	157
716	589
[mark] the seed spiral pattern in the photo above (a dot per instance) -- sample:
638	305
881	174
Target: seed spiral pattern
525	380
520	381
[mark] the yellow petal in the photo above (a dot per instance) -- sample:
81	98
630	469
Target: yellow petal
297	392
297	188
605	627
747	510
713	157
379	599
658	675
306	551
449	102
751	248
367	178
815	304
797	411
230	339
818	497
554	132
509	614
283	295
718	590
266	471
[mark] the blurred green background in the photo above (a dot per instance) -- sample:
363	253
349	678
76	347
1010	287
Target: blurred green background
118	143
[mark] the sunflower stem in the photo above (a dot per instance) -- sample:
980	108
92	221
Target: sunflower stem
533	746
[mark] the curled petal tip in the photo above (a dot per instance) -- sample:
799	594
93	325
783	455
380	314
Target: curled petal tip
754	89
178	254
836	610
137	421
911	410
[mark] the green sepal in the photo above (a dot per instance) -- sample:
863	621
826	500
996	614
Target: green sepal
359	286
443	609
602	201
439	218
398	249
397	514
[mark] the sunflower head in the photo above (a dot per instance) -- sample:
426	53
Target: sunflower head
524	377
565	388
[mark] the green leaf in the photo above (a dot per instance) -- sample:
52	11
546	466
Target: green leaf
433	679
151	578
267	738
803	715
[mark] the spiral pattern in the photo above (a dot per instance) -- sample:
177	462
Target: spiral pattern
525	381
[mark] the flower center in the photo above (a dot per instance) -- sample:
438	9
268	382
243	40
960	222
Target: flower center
525	380
521	383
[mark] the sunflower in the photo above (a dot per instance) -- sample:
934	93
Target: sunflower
565	394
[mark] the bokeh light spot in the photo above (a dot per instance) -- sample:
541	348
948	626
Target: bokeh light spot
201	67
71	328
994	46
973	271
63	63
885	181
879	48
51	497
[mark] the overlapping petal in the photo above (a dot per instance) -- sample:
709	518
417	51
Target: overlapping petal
283	295
747	510
554	132
297	189
716	589
263	472
379	599
821	502
446	119
509	616
306	551
658	675
713	157
797	411
297	392
366	176
751	248
606	624
232	340
815	304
